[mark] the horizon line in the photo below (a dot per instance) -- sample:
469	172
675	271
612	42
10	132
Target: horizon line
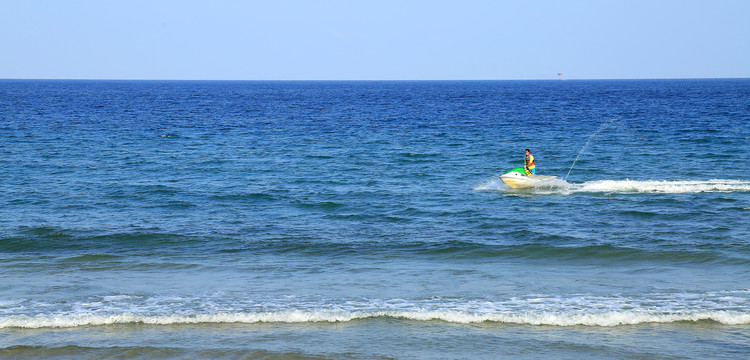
374	80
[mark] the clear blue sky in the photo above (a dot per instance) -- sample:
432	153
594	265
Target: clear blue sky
374	40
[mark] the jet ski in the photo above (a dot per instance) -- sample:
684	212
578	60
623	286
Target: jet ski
517	178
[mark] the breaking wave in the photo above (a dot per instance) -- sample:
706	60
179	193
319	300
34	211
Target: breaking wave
725	307
606	319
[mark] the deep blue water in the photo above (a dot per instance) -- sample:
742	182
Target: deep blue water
366	219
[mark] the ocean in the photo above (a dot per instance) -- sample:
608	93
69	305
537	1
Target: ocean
366	219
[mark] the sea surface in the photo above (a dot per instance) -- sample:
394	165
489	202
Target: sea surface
365	220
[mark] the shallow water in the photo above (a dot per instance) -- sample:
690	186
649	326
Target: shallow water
366	219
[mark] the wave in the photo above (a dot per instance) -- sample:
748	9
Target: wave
727	308
539	245
608	319
606	252
562	187
49	239
166	351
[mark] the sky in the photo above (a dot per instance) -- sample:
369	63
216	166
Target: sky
374	40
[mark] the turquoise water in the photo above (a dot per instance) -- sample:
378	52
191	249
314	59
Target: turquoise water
366	219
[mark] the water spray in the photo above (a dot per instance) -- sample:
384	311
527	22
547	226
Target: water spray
601	128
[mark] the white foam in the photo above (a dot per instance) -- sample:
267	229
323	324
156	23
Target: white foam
555	185
604	319
562	187
667	186
726	307
494	184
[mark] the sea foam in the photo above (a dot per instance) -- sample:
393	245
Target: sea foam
722	307
562	187
604	319
667	186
